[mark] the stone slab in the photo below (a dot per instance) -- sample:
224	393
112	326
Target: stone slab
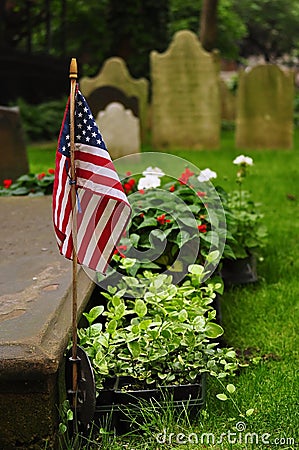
13	155
35	319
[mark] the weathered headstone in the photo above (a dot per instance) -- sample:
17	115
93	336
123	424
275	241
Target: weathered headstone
13	156
185	95
114	74
265	108
120	130
228	102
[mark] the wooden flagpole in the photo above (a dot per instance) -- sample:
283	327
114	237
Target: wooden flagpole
73	74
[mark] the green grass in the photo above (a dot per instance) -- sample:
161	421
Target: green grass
263	317
41	157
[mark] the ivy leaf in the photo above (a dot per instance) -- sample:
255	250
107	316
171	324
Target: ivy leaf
213	330
140	308
230	388
94	313
111	327
119	311
183	315
222	397
134	348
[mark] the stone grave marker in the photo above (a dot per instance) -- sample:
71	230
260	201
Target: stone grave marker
119	87
228	102
13	156
120	130
185	95
265	108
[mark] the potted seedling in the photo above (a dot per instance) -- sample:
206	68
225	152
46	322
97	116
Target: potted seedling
246	232
157	340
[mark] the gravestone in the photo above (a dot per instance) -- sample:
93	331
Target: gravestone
119	87
185	95
120	130
13	156
228	102
265	108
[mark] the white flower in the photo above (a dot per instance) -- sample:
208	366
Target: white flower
242	159
150	181
153	171
206	175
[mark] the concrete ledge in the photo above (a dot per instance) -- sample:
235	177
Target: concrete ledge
35	320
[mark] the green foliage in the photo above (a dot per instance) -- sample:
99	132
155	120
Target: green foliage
245	223
96	30
157	332
272	35
31	184
42	122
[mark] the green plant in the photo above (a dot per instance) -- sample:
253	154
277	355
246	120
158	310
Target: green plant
41	122
30	184
157	332
244	220
174	222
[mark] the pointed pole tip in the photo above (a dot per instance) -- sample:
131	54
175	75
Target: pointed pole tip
73	68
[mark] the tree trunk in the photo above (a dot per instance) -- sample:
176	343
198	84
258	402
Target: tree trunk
208	24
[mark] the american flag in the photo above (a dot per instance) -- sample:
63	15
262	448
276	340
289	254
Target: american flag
102	210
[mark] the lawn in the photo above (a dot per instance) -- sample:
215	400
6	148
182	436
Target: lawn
260	320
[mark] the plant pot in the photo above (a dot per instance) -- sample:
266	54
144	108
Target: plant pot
239	271
130	400
217	306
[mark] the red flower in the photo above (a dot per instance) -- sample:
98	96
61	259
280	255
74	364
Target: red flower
40	176
7	183
51	171
172	188
201	194
185	176
202	228
161	219
141	191
128	186
118	250
128	174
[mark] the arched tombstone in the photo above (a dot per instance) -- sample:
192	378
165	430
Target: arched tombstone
120	130
116	79
185	95
265	108
104	95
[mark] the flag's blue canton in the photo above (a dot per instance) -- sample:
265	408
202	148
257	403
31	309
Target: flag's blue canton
86	129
